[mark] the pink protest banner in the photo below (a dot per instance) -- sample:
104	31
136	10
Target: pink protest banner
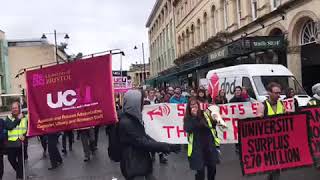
274	143
313	117
70	96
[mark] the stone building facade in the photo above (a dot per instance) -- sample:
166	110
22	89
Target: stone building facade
203	28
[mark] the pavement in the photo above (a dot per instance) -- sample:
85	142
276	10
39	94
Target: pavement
102	168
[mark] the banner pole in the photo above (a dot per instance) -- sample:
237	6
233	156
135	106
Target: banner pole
110	52
23	163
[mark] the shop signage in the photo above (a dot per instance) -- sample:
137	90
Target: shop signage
266	42
119	73
218	54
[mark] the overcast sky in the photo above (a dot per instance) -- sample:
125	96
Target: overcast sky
93	25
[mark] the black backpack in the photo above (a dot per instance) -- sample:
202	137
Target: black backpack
115	148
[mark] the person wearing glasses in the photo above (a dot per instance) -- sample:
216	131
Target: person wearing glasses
273	106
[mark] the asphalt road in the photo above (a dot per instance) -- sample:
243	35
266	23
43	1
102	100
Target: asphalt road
101	168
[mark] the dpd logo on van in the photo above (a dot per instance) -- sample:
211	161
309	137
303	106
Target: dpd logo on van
229	87
214	86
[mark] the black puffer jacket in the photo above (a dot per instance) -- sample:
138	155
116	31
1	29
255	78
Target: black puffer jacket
136	144
204	151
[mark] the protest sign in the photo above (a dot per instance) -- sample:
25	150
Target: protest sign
313	117
70	96
121	84
274	143
164	122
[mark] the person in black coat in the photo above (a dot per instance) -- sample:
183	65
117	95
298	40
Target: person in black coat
204	152
136	160
237	96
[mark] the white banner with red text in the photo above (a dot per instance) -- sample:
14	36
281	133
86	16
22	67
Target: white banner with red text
164	122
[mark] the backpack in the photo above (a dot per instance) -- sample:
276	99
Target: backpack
114	149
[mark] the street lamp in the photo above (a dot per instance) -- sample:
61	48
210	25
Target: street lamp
66	37
144	64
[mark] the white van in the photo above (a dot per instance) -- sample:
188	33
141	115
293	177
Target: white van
255	77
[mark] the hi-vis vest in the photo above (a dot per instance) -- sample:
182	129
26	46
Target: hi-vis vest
313	102
280	108
217	141
19	131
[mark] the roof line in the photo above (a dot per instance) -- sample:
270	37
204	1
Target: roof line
153	12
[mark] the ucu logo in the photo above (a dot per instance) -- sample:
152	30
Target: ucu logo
69	98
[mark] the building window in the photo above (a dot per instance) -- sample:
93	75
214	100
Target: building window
213	20
275	4
205	26
192	35
239	10
198	31
309	33
254	6
183	43
225	13
187	40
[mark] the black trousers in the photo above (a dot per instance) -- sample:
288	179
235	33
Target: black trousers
44	142
16	161
26	144
211	173
96	135
69	135
1	162
54	153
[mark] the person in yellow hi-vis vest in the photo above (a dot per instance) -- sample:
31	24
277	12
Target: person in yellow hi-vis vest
273	106
202	151
15	138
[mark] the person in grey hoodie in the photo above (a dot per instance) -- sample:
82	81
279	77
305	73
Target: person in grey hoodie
136	160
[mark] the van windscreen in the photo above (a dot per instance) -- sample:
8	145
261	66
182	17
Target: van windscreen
261	83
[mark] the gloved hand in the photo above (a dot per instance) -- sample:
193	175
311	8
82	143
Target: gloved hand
176	148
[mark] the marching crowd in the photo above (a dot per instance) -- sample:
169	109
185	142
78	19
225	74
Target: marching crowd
137	148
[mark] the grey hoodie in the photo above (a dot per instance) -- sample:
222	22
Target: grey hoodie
132	104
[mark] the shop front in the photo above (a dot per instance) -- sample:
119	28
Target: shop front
246	50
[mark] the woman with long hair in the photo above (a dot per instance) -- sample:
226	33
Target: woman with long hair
202	150
221	98
202	96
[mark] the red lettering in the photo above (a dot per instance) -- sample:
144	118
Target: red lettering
290	102
225	134
181	110
235	128
241	109
224	109
254	107
204	106
232	108
181	131
168	130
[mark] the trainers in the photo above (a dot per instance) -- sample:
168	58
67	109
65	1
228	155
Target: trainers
86	159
